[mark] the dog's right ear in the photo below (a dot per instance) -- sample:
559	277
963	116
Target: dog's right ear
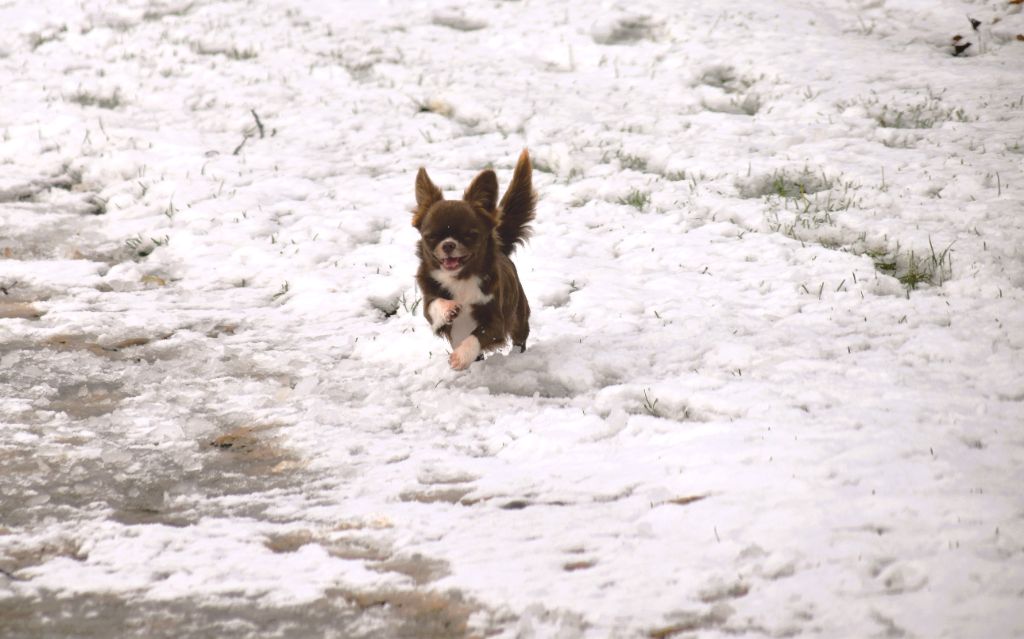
427	195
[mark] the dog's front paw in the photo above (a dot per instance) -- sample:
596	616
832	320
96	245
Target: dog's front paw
451	311
457	362
442	312
465	354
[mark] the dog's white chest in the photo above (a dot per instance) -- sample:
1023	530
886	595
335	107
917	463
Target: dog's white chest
466	292
463	326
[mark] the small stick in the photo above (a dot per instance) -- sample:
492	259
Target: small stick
259	125
239	147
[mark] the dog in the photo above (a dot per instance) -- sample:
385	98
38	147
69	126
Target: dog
471	290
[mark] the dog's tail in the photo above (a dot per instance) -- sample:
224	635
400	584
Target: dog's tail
517	206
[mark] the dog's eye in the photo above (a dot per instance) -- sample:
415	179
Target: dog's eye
472	235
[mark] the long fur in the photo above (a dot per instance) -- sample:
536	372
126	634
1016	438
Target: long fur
471	291
516	209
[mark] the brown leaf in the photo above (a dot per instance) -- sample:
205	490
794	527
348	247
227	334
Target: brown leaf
154	279
689	499
573	566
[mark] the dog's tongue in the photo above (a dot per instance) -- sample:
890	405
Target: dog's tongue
451	263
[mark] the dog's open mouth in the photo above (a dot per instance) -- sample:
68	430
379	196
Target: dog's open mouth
453	263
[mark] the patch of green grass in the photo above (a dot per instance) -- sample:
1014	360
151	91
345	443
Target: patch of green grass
922	112
798	203
924	115
159	13
632	162
726	78
142	247
806	205
233	52
789	215
786	184
410	308
884	261
797	186
933	268
86	98
916	272
905	141
649	406
39	38
913	269
241	54
637	199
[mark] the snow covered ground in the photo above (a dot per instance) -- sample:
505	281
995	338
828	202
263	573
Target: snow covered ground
776	377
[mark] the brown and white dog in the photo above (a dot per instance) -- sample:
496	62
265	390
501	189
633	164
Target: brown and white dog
471	291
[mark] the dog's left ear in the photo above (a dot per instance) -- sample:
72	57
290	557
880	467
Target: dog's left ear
483	191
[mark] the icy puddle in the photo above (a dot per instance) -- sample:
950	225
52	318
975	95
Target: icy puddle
78	488
340	614
75	490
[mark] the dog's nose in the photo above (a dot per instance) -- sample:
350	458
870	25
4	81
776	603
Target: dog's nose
448	247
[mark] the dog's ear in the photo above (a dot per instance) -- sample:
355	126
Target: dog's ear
483	191
427	195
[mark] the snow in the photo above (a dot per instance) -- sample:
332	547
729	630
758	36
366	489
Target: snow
775	380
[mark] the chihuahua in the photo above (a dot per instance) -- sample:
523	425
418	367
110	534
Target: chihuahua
471	290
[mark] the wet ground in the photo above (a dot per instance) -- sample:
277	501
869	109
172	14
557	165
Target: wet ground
67	458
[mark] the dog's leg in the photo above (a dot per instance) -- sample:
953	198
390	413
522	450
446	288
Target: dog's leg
472	348
465	354
441	312
519	338
520	334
